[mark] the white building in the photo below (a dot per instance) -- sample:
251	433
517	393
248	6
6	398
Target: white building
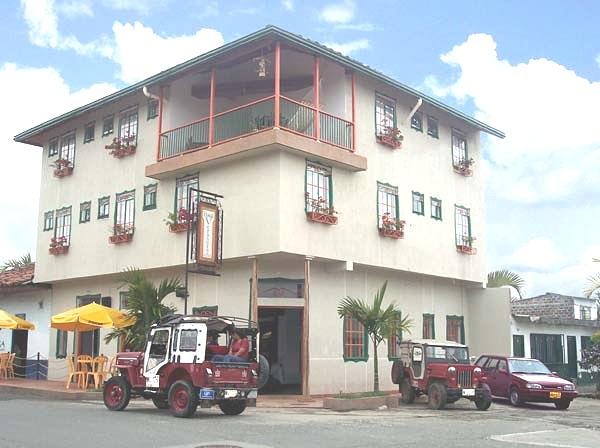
318	203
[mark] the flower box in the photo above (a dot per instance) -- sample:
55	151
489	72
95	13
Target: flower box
397	234
122	147
323	218
391	227
178	222
391	137
120	238
469	250
58	246
63	172
178	227
464	167
58	250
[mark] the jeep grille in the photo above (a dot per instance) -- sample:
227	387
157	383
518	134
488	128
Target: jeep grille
464	378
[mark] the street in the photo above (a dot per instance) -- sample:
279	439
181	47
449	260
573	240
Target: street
27	423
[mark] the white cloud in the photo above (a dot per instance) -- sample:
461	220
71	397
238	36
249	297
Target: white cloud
75	8
538	254
349	47
338	12
141	7
288	4
140	52
356	27
209	9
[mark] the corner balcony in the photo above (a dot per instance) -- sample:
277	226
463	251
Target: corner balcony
269	101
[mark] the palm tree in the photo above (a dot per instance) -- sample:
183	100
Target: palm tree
593	283
504	277
377	321
16	263
145	303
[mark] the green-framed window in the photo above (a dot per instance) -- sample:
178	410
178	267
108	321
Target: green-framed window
356	340
182	192
123	300
459	148
67	147
585	312
62	338
518	345
455	329
385	113
395	338
318	187
428	326
53	147
436	208
462	223
433	127
125	212
48	220
152	109
108	125
103	207
416	122
387	203
85	211
128	125
62	225
586	341
418	203
89	132
150	197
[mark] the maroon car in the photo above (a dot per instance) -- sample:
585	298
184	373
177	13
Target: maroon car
523	379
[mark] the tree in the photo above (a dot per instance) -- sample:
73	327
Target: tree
16	263
593	283
145	303
504	277
377	321
590	359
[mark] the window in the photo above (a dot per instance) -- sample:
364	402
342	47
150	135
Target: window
586	341
103	207
128	126
395	338
355	340
432	127
53	147
436	208
182	192
387	203
548	348
149	197
61	344
459	148
492	364
188	340
385	114
279	288
428	326
463	226
455	329
125	212
481	361
48	221
152	109
585	312
416	122
502	365
319	192
158	349
85	211
123	300
89	132
418	203
62	229
108	125
519	345
67	148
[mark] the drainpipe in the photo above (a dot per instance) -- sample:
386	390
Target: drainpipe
413	110
147	94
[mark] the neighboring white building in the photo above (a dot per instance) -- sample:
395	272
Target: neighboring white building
554	328
248	121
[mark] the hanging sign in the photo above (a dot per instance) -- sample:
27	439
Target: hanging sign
208	234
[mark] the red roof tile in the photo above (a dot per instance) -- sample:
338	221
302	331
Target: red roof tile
17	277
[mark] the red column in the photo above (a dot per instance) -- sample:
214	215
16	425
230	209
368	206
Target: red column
211	109
353	111
277	82
316	77
160	118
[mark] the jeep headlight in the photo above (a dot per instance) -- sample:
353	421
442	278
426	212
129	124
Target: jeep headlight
451	370
568	387
477	371
533	386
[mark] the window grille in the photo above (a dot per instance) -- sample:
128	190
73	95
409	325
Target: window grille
455	329
48	220
463	226
108	124
85	211
418	202
103	207
150	197
385	114
387	202
62	228
459	148
67	148
428	326
355	340
125	212
128	126
585	312
89	132
182	192
53	147
436	208
318	187
152	109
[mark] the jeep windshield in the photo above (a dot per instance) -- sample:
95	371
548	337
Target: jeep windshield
455	355
531	366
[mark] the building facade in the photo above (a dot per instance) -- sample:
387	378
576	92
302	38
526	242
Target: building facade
332	178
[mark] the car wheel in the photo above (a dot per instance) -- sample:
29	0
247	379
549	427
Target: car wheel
263	371
160	402
407	391
515	397
183	399
438	396
232	407
562	404
116	393
484	401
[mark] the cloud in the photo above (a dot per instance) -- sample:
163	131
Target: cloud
538	254
338	12
75	8
366	27
244	11
140	52
349	47
209	9
288	4
141	7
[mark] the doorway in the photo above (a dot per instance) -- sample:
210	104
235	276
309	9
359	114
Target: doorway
19	348
572	356
280	343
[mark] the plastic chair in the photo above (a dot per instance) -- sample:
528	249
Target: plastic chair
4	365
97	371
11	365
73	373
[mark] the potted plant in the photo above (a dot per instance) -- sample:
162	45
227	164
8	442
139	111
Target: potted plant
467	246
58	245
178	222
391	227
122	146
319	211
465	167
122	233
62	167
391	137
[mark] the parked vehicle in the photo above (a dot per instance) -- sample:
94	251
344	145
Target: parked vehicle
523	379
176	369
440	370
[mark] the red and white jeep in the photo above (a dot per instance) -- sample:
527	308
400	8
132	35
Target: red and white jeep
176	370
442	371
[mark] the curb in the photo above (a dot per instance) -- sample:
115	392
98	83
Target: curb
27	392
361	404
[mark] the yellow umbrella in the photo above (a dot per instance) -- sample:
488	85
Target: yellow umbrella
91	317
11	322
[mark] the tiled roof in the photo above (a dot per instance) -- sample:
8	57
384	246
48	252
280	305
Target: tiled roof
17	277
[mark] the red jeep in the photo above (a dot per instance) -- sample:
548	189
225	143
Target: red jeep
176	371
440	370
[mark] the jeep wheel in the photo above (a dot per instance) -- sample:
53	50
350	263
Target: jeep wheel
562	404
232	407
117	393
484	401
407	391
160	402
514	397
438	396
183	399
263	371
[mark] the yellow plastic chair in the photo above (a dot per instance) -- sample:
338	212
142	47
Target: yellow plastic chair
97	371
10	370
73	372
3	365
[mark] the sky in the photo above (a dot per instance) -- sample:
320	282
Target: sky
531	69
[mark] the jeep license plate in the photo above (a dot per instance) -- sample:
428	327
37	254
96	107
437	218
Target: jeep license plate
207	394
230	393
555	395
468	392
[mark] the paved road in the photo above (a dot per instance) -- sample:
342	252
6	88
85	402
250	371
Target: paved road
55	424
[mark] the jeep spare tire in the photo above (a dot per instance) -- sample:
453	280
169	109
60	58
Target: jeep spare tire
263	371
407	391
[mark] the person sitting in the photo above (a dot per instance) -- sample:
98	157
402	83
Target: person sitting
238	348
